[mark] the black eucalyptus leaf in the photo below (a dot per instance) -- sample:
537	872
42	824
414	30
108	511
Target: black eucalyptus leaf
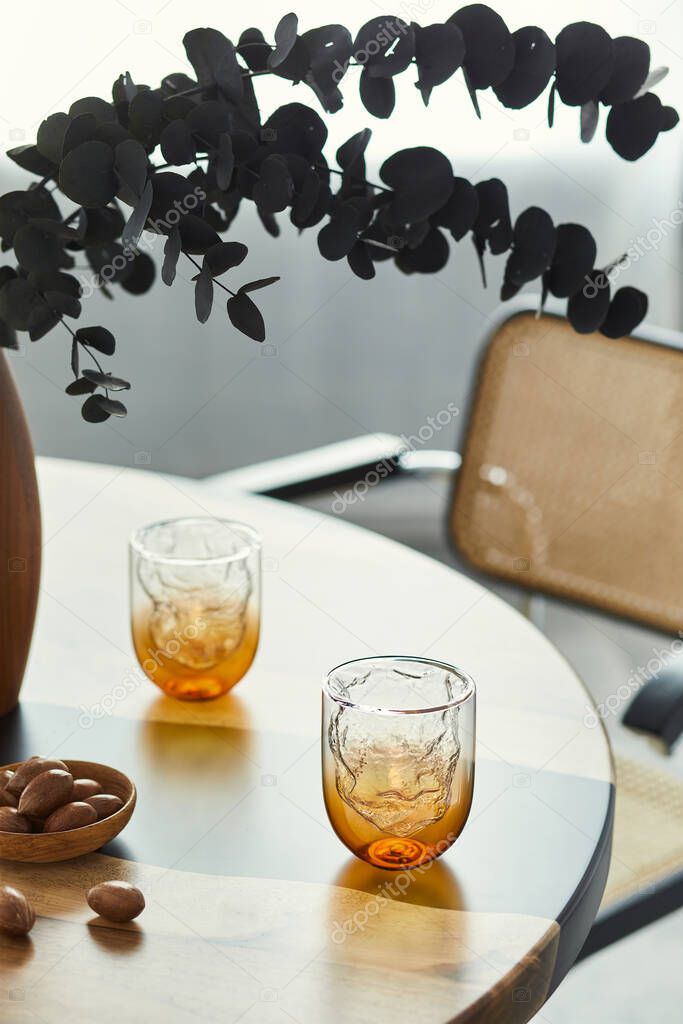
30	159
573	260
86	175
102	226
225	162
633	127
439	52
92	411
590	114
80	129
50	138
360	261
384	46
627	309
654	77
295	128
534	63
296	64
378	95
585	62
103	111
285	38
422	180
460	211
106	380
111	405
18	208
60	302
9	274
533	245
41	321
172	248
57	228
8	337
145	117
253	49
124	89
253	286
274	189
223	256
177	144
246	317
337	238
37	250
18	299
173	195
203	295
207	122
350	155
138	218
312	202
130	164
430	256
111	133
631	66
587	309
269	222
98	338
141	275
80	387
56	281
329	50
196	236
213	58
490	50
75	360
551	105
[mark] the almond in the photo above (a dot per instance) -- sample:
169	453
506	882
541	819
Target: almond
7	800
105	804
5	776
12	821
83	788
16	913
28	771
45	793
116	901
70	816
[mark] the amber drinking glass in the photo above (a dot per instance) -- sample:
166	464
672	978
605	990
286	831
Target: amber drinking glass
398	757
195	603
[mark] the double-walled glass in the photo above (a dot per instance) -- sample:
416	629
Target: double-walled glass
195	587
398	757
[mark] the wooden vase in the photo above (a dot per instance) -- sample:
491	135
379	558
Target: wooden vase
20	541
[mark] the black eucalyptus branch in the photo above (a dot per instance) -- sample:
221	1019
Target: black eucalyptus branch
105	156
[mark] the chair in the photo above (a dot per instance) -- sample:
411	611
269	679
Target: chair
571	486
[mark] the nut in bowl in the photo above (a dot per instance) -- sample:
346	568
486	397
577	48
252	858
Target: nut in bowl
63	832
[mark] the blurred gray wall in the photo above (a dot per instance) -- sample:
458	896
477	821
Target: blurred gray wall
343	356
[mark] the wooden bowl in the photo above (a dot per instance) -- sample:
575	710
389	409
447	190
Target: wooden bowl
55	846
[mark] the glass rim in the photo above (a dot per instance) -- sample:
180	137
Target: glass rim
250	536
469	693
